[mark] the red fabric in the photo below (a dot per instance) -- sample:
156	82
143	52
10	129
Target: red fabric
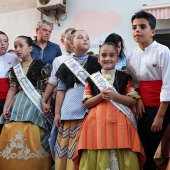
4	87
150	92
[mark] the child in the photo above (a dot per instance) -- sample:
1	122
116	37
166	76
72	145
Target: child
52	83
118	41
6	62
149	65
24	137
69	110
113	140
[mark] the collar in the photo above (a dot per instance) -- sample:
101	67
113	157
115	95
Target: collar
108	71
148	48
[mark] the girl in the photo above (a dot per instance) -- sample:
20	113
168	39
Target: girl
118	41
108	139
24	137
69	110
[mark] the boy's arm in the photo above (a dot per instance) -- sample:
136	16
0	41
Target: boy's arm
46	98
58	103
158	120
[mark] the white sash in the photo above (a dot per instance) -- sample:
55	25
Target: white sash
77	70
29	89
101	83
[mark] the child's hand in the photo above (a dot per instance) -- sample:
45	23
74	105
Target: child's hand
57	120
109	94
6	114
140	108
46	109
157	124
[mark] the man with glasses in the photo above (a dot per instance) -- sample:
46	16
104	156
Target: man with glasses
43	48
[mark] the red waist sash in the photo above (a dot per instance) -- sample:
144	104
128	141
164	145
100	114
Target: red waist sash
150	92
4	87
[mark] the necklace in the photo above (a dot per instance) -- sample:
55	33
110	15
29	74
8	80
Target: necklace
26	63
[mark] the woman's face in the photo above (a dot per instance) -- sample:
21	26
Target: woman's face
119	47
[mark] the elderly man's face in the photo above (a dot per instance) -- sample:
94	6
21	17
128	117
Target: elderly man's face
44	32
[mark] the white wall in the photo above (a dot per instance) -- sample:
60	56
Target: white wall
98	17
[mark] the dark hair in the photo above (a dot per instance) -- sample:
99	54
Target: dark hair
115	38
145	15
108	43
27	39
1	32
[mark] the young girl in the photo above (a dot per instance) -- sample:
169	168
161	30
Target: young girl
69	110
108	138
24	137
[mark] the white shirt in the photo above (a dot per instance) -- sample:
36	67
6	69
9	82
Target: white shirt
7	61
56	64
151	64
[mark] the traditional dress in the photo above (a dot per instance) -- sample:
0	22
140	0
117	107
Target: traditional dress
150	70
108	139
24	137
72	111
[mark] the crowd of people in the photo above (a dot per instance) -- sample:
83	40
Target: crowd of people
79	111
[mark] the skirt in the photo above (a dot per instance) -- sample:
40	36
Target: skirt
20	148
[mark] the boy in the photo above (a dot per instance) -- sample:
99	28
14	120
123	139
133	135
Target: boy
149	65
52	83
6	62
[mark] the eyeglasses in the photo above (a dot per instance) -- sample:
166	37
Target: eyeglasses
44	22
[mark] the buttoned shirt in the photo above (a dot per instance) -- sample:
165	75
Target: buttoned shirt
7	61
151	64
50	52
56	64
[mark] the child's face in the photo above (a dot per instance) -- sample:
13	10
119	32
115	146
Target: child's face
66	42
81	42
21	48
108	57
142	32
3	44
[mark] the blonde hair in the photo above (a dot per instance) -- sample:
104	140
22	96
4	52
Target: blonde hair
65	31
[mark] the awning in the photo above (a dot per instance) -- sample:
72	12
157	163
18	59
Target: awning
158	11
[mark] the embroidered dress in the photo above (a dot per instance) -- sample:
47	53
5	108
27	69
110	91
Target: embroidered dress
72	111
106	130
24	137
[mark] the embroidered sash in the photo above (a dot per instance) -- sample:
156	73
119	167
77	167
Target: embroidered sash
101	83
29	89
77	70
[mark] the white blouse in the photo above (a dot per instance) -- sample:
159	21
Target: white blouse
151	64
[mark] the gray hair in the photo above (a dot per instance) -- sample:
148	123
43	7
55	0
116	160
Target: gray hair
39	25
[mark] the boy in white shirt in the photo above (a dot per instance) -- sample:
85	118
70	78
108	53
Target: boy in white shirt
52	83
149	66
7	61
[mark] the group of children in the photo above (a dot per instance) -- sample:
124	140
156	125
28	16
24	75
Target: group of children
99	127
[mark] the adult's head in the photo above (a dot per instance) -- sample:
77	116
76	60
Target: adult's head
43	31
118	41
3	43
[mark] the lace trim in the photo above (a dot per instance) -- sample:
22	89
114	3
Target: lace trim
23	151
113	161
